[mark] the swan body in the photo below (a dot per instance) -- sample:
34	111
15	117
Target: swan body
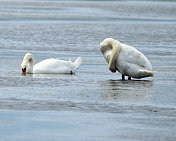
125	59
49	66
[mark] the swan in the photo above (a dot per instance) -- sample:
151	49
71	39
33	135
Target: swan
125	59
49	66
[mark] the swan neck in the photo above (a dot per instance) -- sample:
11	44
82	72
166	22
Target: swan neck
115	52
30	67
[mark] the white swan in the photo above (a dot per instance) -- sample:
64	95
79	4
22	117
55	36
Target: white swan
49	66
125	59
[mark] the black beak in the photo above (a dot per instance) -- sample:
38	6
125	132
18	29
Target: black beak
23	71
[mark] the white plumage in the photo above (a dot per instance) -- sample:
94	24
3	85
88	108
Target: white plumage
49	66
125	59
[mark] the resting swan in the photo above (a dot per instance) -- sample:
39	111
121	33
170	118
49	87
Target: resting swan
49	66
125	59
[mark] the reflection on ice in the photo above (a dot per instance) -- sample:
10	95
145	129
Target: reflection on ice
135	90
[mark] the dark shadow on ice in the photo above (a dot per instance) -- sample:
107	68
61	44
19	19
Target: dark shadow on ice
49	75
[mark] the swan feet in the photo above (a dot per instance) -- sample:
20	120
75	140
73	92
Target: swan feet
123	77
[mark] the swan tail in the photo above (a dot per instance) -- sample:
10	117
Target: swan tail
149	73
144	73
78	62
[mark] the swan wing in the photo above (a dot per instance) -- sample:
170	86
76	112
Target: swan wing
130	54
53	66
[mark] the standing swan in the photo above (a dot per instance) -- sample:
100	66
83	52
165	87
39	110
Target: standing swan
125	59
49	66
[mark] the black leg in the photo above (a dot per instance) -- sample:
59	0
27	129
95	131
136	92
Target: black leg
71	72
123	77
129	78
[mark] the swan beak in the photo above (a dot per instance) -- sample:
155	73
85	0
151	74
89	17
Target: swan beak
23	71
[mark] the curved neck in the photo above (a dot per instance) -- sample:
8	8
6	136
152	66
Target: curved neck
29	68
115	52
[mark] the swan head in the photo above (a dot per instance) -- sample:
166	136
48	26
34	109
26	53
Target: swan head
27	64
107	44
